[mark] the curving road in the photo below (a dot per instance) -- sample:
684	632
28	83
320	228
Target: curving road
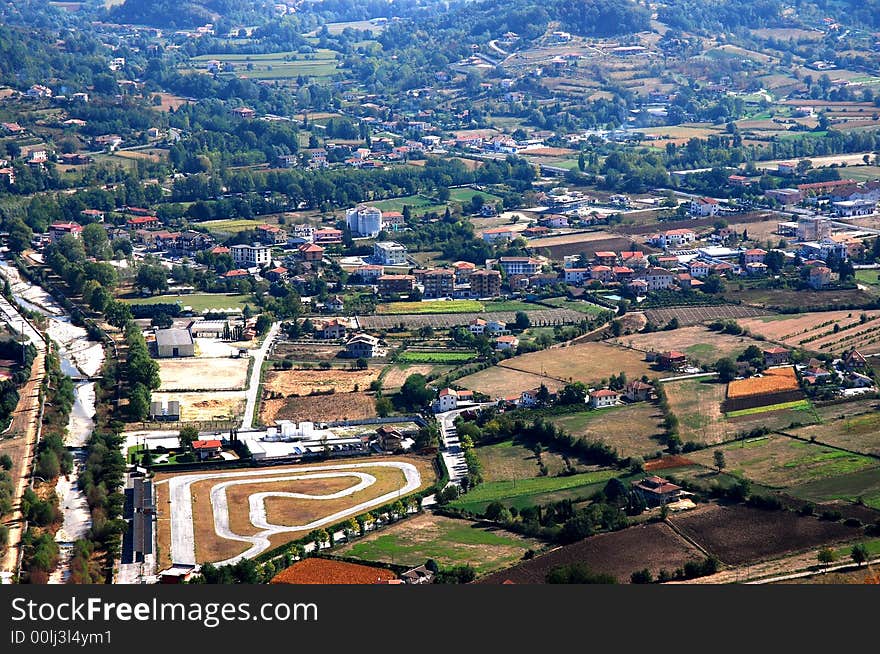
182	529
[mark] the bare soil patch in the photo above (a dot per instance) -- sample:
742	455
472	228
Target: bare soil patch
203	374
319	408
304	382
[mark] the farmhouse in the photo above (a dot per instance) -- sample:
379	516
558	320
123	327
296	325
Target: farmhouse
674	238
330	329
209	329
172	343
774	356
604	397
59	230
672	360
449	398
638	391
657	491
364	346
506	343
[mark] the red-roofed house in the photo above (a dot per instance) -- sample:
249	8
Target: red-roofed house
657	491
774	356
704	207
755	255
278	274
603	397
672	360
207	449
59	230
311	252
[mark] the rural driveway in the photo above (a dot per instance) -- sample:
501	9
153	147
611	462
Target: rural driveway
453	455
247	422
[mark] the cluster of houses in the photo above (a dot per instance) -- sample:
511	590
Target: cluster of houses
847	374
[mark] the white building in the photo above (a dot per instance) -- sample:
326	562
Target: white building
604	397
704	207
389	253
364	221
675	238
448	399
251	255
659	279
519	265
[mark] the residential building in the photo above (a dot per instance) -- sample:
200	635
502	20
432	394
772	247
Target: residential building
207	449
520	265
330	329
577	276
675	238
244	112
775	356
278	274
59	230
506	343
699	268
820	276
448	398
327	236
389	253
604	397
463	271
659	279
498	234
854	360
364	221
364	346
393	221
703	207
755	255
271	235
437	283
334	304
311	252
787	197
605	258
657	491
485	283
851	208
251	255
394	284
672	360
173	343
370	273
638	391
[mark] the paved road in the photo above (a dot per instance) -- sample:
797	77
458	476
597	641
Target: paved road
250	408
182	528
453	455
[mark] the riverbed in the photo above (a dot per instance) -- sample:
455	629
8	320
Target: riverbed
81	359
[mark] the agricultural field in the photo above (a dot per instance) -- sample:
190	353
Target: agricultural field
499	381
536	490
203	374
317	351
560	246
772	381
246	511
538	318
632	430
861	487
230	226
780	462
585	362
278	65
696	315
315	570
198	302
320	408
697	405
821	331
396	374
436	357
418	204
620	553
580	306
807	300
699	343
205	406
448	541
857	433
435	306
306	382
506	461
739	534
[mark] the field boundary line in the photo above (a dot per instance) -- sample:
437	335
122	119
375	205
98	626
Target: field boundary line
823	444
687	538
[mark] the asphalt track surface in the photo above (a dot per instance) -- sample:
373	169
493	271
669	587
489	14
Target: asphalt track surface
182	528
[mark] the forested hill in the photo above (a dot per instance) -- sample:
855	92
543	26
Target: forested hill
180	14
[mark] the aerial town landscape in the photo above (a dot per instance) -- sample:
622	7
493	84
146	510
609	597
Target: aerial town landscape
420	292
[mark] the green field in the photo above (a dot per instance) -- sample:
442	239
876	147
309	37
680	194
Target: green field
467	194
869	278
279	65
575	305
231	226
198	301
525	492
436	357
448	541
849	483
510	305
418	204
440	306
797	405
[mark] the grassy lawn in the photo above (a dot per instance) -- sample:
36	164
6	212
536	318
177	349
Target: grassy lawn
467	194
869	278
797	405
448	541
436	357
848	484
447	306
507	461
198	301
279	65
872	545
524	492
575	305
418	204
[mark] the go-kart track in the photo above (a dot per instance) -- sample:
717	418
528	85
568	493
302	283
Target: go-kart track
182	528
